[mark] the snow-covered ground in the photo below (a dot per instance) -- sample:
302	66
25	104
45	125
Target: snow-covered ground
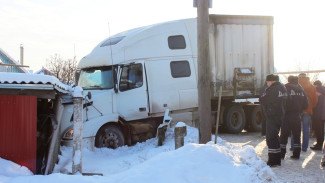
146	162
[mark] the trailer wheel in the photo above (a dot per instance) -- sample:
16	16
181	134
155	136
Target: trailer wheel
235	119
109	136
256	119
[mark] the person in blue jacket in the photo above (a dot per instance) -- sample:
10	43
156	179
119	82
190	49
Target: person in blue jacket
273	103
297	101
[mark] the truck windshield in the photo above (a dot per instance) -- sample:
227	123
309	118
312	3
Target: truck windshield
96	78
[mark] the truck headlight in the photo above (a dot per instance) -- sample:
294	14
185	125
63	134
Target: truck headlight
68	135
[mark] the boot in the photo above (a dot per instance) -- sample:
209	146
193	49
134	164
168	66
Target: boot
283	153
274	159
296	153
316	147
322	165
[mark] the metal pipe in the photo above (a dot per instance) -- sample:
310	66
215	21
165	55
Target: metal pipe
21	54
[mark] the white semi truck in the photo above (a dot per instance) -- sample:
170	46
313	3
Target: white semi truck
131	78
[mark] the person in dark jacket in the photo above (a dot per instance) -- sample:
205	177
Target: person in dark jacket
273	103
319	116
297	101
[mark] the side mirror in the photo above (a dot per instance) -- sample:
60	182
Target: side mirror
89	95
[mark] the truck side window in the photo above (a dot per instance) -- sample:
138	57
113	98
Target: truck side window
176	42
180	69
131	77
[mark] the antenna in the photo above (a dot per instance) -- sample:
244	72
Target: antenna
74	50
110	44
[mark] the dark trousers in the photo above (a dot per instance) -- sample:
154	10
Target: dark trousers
319	131
291	125
273	125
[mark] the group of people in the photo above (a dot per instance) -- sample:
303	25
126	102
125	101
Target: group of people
291	108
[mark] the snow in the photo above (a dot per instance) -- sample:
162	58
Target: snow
244	92
246	71
10	169
77	92
251	100
77	157
180	124
20	78
147	162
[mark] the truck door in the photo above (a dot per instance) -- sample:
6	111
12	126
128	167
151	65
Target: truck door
132	97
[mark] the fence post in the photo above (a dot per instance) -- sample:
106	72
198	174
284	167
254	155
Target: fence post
218	115
77	129
180	133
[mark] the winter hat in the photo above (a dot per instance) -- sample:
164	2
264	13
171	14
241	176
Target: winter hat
293	79
318	83
302	75
272	77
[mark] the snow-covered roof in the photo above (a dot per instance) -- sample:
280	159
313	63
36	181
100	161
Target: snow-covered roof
13	61
44	71
20	78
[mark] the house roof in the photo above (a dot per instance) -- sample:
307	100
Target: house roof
12	61
44	71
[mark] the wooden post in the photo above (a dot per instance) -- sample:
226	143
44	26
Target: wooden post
218	115
77	130
180	133
203	71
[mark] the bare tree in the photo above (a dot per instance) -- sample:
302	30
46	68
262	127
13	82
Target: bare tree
309	65
63	69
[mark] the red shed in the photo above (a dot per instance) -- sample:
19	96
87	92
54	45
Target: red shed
30	112
18	125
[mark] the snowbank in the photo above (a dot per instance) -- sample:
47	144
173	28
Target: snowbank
146	162
10	169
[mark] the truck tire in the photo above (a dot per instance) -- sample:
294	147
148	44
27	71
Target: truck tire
255	119
235	119
109	136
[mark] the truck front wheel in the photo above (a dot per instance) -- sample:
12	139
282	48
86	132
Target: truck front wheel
235	119
109	136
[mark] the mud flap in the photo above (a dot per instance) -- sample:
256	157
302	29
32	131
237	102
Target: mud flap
162	128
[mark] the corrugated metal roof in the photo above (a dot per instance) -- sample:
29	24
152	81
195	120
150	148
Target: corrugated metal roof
20	78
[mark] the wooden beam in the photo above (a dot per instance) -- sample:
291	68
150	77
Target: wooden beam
43	94
298	72
13	65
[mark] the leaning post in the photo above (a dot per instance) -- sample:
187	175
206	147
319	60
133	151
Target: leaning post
77	129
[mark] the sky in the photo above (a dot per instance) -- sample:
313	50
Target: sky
74	27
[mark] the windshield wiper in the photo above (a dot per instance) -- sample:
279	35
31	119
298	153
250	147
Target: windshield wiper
94	86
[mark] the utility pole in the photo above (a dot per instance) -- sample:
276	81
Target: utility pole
203	70
77	129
